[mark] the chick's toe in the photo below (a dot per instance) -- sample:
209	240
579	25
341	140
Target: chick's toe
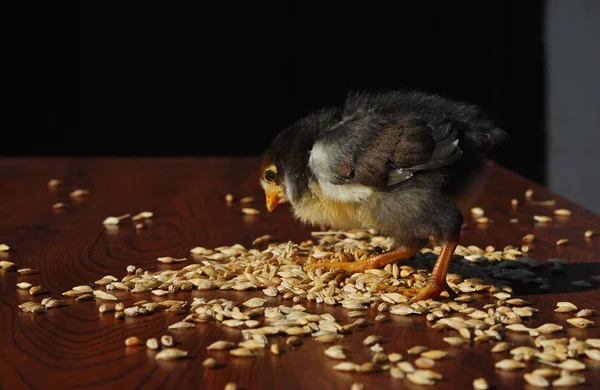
376	261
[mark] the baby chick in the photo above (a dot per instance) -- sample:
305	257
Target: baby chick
407	164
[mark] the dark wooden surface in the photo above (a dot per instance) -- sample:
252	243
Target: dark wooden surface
76	347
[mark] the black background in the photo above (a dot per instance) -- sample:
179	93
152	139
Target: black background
220	78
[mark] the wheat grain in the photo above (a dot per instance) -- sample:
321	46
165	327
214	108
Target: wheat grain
480	384
133	341
171	354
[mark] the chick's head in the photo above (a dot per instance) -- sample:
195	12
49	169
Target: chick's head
272	182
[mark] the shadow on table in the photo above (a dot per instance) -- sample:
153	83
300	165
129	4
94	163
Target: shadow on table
525	276
563	282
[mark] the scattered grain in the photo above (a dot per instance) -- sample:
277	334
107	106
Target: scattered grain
7	265
549	328
152	343
133	341
593	354
568	381
396	373
562	212
546	372
167	340
424	363
434	354
169	259
220	345
54	303
477	212
564	307
275	349
529	194
585	313
572	365
37	290
142	215
581	322
171	354
423	377
79	193
455	341
55	183
509	365
536	380
242	352
346	366
371	340
336	352
27	271
111	221
480	384
210	363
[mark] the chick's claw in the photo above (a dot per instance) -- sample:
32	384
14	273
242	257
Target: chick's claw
377	261
350	266
433	289
386	288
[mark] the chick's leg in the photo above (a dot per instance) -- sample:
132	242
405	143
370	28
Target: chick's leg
376	261
437	281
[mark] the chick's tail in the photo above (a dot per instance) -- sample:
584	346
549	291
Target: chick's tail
485	138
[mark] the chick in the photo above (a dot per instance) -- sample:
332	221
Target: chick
405	163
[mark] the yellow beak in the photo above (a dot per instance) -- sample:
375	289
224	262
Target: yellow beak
272	200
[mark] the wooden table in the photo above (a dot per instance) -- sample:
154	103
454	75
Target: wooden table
77	347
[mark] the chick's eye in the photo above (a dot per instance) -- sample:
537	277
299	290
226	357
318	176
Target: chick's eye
270	175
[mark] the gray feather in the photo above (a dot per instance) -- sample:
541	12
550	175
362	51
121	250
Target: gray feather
444	154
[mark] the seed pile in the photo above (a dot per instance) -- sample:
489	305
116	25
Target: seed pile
277	270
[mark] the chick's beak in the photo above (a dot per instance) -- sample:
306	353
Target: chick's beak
272	200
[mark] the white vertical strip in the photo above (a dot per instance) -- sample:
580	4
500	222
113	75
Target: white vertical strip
573	100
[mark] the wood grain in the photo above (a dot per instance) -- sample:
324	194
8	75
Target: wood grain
75	347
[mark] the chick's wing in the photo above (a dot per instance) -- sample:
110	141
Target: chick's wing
364	153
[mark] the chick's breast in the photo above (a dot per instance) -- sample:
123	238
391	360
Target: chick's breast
315	208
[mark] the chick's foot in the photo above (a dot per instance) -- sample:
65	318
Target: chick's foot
437	281
377	261
436	284
386	288
433	289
